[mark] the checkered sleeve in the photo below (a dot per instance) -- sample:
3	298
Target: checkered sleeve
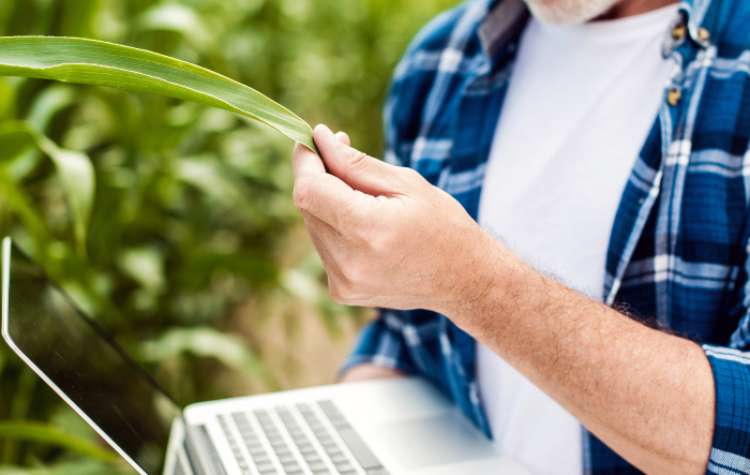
381	345
730	453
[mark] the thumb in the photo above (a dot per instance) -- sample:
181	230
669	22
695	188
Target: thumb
357	169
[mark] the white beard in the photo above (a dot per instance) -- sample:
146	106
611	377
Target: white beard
569	11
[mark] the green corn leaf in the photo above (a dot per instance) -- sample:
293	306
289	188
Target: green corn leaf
16	200
50	435
50	101
177	18
206	342
84	61
74	169
73	467
77	177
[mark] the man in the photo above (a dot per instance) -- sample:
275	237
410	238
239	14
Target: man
603	147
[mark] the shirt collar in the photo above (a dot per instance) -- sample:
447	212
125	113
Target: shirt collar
506	18
504	21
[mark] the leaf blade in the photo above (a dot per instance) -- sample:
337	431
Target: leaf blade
50	435
77	178
99	63
74	169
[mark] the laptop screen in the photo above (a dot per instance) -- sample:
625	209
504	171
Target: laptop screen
76	357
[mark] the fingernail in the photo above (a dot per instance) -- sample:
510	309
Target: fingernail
323	129
341	137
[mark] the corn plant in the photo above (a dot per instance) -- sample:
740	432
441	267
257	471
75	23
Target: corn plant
159	209
99	63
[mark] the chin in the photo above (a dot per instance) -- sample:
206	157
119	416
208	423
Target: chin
568	12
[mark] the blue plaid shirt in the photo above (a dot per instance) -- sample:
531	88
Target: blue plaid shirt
678	252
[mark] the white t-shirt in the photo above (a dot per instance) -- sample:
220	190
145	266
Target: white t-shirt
580	103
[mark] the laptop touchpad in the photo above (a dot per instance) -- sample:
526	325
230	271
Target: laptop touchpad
444	439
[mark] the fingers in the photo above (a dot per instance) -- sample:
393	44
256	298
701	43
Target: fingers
331	200
358	170
305	162
318	193
369	372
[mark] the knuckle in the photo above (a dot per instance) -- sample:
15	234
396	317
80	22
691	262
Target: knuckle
364	229
358	159
412	177
382	242
302	193
411	174
354	216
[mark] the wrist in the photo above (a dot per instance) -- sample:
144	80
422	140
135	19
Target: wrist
475	276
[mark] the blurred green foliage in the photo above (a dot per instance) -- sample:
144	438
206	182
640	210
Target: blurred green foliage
192	214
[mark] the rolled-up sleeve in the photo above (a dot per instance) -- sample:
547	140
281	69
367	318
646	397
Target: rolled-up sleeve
730	364
730	453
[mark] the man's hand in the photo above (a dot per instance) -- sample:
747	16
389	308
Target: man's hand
369	372
386	236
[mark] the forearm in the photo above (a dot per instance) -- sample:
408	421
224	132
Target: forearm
390	239
647	394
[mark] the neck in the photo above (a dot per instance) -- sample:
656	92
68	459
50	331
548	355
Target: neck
626	8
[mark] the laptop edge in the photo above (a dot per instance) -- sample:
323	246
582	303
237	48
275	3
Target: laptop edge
6	253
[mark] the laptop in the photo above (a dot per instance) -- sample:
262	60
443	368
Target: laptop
371	428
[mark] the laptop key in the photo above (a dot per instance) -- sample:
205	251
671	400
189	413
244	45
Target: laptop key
242	464
319	465
345	467
314	462
359	449
350	436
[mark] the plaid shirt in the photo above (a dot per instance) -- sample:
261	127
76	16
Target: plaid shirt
678	252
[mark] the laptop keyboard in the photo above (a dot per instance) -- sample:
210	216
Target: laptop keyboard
302	439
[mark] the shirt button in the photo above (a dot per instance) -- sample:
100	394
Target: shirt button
674	95
704	35
678	32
